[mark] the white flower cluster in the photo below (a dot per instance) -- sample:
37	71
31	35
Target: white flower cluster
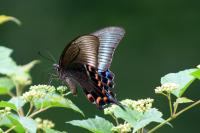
33	94
110	110
122	128
46	88
141	105
62	89
42	124
37	92
166	88
4	112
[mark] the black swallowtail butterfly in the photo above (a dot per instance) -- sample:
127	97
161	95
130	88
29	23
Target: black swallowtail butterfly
86	61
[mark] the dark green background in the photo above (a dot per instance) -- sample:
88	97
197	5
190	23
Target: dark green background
161	37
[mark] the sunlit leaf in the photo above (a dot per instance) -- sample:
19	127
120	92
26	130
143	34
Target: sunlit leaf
183	100
8	66
8	104
10	121
17	101
138	119
19	74
128	114
153	115
6	85
182	78
29	124
55	100
95	125
4	18
196	73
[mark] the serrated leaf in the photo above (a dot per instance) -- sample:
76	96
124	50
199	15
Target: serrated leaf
182	78
4	18
8	66
153	115
10	121
127	114
29	124
8	104
19	74
183	100
17	101
95	125
6	85
196	74
138	119
55	100
47	130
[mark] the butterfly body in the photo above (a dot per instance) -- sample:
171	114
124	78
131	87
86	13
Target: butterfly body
86	60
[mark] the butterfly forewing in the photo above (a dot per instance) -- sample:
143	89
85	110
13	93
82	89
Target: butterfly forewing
82	50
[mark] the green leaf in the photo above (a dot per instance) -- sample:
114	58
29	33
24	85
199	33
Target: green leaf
6	85
138	119
196	74
17	101
8	104
47	130
95	125
182	78
183	100
153	115
127	114
26	68
10	121
19	74
29	124
55	100
4	18
8	66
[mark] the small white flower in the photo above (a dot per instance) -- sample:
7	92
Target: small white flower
46	88
198	66
166	88
5	111
61	89
42	124
141	105
33	94
8	109
110	110
122	128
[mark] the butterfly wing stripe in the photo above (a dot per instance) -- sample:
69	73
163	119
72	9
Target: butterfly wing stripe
109	39
82	50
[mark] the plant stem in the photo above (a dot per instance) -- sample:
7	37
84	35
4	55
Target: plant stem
142	130
116	120
187	108
37	112
30	109
174	116
11	94
18	93
10	129
170	104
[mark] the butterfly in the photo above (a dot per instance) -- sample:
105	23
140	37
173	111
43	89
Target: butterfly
86	60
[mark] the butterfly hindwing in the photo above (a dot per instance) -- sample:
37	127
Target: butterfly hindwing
109	39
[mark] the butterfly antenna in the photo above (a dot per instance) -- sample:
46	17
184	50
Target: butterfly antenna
51	58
